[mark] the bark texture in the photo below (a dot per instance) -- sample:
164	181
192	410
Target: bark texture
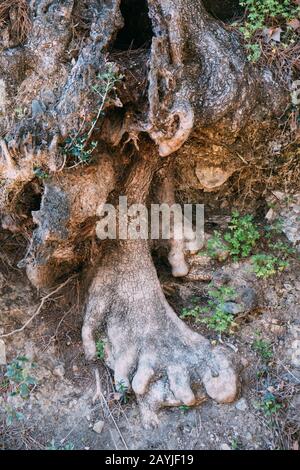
186	96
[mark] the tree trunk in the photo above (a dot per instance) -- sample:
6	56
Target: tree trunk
187	90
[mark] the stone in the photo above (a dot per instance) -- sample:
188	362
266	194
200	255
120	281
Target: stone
279	195
59	371
232	308
36	109
211	177
224	446
247	298
2	353
98	427
289	216
245	302
241	405
271	215
48	97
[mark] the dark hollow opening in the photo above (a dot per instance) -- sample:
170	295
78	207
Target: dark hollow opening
224	10
137	31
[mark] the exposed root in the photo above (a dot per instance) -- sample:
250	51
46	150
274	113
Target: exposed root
148	347
98	393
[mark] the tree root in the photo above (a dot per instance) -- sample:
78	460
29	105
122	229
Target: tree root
149	348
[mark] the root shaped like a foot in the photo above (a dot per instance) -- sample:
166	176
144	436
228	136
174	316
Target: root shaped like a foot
149	348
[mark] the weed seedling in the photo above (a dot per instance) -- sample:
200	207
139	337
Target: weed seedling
242	236
17	382
263	348
263	15
20	382
194	312
184	408
215	245
66	446
80	147
269	404
40	173
217	318
100	349
266	266
123	390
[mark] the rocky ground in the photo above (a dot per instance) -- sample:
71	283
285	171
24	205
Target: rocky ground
59	412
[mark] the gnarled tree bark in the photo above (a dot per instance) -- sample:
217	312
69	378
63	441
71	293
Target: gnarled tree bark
191	82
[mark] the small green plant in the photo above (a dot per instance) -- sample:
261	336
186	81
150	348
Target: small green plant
20	381
184	408
235	444
282	249
264	15
269	404
17	382
218	319
254	52
100	349
260	11
194	312
222	294
215	245
40	173
66	446
266	266
274	229
12	415
122	388
263	348
80	147
242	235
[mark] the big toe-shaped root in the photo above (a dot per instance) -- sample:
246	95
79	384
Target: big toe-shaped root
220	378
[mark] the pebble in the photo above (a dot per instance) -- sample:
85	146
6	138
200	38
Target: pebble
232	308
36	109
98	427
224	447
241	405
59	371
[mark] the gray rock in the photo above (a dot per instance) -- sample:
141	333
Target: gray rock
48	97
36	108
59	371
98	427
212	177
289	215
245	301
232	308
241	405
247	298
224	446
